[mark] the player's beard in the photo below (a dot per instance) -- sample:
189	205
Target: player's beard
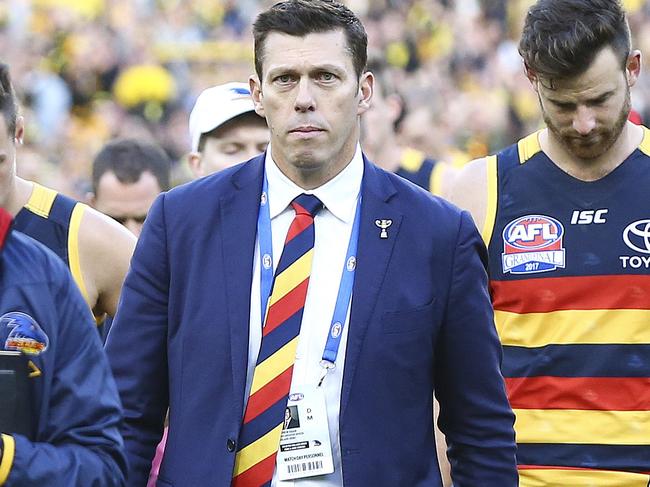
596	143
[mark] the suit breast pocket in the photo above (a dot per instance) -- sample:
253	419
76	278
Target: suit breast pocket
421	318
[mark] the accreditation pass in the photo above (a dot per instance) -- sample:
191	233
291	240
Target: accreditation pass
305	448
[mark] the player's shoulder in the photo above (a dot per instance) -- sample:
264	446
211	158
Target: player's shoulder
471	174
99	233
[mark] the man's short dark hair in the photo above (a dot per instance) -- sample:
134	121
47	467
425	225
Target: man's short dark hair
302	17
128	159
561	38
8	103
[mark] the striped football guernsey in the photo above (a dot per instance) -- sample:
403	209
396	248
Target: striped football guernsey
54	219
570	280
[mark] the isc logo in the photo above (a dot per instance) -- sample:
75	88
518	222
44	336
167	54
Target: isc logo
587	217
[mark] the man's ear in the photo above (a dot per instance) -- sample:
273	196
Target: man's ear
20	130
256	93
194	160
366	87
633	67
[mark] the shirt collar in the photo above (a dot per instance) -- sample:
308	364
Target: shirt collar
339	195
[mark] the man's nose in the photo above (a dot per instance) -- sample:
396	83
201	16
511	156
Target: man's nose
584	120
305	101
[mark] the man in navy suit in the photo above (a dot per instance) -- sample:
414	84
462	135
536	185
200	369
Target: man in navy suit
188	332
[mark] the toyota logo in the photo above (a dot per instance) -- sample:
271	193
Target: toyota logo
637	236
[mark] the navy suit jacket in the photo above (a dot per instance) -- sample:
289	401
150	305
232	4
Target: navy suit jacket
421	319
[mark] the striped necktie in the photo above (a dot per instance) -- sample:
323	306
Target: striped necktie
259	437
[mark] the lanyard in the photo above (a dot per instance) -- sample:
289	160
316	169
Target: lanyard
345	287
266	249
342	300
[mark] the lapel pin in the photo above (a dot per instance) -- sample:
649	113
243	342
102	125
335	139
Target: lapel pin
383	224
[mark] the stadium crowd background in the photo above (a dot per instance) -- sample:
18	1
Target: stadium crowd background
87	71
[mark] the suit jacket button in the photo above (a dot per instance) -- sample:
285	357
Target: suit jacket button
231	445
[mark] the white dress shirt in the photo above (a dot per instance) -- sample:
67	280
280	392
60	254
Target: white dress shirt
333	226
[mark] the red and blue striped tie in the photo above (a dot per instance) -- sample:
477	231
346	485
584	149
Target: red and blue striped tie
259	437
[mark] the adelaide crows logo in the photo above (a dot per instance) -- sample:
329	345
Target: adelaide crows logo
24	333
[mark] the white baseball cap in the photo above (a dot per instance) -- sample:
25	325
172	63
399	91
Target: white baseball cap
217	105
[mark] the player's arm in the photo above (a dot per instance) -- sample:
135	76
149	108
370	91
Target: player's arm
105	249
469	190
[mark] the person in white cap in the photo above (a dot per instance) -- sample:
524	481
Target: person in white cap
225	129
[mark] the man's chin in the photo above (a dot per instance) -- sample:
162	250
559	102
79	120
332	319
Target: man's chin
585	153
586	148
306	157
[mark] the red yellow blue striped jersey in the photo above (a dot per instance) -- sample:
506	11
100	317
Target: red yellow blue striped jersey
570	281
54	219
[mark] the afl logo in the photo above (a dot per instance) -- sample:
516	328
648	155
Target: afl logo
637	236
533	232
533	243
296	396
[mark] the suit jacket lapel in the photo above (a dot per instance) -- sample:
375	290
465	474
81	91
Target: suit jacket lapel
373	256
239	209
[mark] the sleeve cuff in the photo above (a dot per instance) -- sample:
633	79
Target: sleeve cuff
8	450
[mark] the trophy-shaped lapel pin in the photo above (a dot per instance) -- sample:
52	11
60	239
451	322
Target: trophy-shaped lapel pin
383	224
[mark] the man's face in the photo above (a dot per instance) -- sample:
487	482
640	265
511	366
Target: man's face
126	203
235	142
587	113
311	99
7	163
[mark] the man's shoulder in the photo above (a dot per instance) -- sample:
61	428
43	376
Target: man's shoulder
424	216
191	205
215	185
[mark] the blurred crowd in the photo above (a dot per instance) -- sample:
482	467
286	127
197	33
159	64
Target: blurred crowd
87	71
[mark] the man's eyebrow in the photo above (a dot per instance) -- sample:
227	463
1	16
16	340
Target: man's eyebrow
596	98
313	69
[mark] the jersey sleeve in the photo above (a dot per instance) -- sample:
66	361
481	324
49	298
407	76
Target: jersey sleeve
79	443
